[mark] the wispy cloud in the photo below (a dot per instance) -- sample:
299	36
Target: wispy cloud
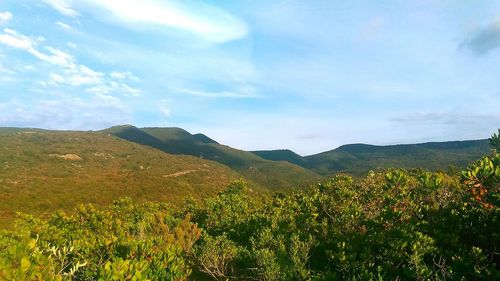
5	17
124	76
242	92
13	39
484	39
69	72
62	6
64	26
164	107
17	40
208	22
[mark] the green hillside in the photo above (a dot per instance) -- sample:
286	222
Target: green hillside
357	159
269	174
47	170
282	155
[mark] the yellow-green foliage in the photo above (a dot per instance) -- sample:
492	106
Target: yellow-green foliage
392	225
123	242
41	172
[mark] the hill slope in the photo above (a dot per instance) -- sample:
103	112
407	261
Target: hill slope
268	174
46	170
357	159
282	155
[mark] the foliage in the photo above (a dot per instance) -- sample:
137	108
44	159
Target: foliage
126	241
495	141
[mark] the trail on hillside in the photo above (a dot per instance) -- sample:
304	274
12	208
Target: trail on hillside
182	173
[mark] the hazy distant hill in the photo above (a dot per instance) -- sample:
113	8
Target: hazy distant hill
41	171
272	175
360	158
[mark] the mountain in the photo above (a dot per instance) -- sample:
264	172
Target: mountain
357	159
41	171
272	175
282	155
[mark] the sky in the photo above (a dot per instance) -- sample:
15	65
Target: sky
306	75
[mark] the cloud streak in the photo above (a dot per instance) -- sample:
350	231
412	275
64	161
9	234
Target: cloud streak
207	22
63	7
5	17
240	93
64	26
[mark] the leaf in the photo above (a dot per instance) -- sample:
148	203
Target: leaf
25	264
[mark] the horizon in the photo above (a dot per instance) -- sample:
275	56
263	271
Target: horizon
299	75
263	149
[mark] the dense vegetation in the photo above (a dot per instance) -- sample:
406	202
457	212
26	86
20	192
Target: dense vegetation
358	159
395	225
43	171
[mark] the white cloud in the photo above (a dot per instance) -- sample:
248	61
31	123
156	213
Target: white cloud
242	92
123	76
207	22
5	17
63	7
13	39
29	68
69	72
58	57
76	75
108	87
16	40
64	26
130	90
163	106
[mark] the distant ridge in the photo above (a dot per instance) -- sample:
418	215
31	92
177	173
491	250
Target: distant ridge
268	174
358	158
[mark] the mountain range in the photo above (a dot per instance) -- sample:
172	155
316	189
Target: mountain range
357	159
44	170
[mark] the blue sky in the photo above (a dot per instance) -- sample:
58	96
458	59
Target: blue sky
304	75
